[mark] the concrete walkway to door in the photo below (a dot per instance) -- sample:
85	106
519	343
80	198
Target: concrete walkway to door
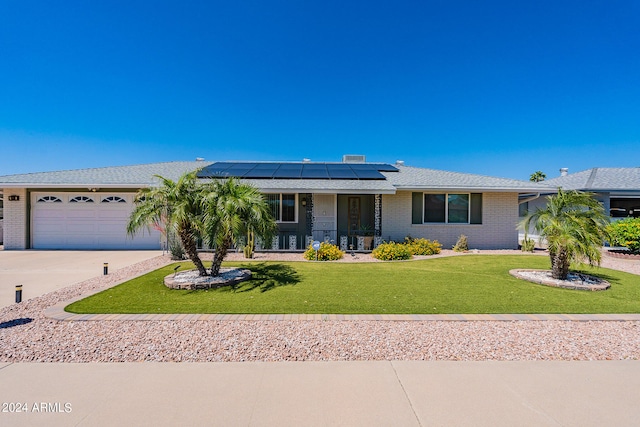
40	272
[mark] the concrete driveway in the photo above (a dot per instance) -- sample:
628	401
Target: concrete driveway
40	272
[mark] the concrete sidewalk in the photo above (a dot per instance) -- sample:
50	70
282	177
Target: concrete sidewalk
40	272
322	394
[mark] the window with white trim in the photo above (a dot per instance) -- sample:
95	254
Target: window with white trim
49	199
113	199
283	206
81	199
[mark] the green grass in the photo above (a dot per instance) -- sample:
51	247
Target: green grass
468	284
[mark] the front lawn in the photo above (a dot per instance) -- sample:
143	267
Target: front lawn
466	284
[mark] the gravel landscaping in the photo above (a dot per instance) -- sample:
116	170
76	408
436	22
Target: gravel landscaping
27	336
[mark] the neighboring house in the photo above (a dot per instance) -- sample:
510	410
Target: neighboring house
617	188
348	203
1	220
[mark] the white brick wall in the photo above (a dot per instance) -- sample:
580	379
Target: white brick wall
497	231
15	219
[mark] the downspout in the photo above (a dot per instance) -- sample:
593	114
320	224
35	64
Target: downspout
529	199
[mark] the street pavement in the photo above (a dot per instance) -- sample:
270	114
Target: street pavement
380	393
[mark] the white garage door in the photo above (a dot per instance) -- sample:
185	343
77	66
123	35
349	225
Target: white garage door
86	221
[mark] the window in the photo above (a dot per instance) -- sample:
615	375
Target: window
523	209
283	207
81	199
49	199
446	208
113	199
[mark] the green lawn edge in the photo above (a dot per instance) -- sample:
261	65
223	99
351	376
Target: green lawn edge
471	284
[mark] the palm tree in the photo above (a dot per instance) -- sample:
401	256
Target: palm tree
574	225
177	205
232	209
538	176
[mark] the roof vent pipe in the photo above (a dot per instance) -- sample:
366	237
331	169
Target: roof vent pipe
399	162
564	171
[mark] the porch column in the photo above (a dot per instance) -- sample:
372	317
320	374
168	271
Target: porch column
377	228
308	211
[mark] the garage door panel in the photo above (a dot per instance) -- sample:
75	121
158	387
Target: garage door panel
82	228
85	225
81	213
113	214
50	228
49	213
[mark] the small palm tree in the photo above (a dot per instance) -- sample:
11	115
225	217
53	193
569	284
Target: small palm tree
574	225
177	205
231	210
538	176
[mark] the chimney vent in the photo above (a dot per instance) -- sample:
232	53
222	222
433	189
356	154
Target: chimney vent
399	162
564	171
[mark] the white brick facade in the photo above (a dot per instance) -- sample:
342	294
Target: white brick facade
15	219
497	231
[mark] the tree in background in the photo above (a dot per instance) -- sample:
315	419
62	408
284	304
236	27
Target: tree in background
538	176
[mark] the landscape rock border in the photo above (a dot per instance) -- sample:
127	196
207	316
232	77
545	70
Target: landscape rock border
575	281
191	280
624	254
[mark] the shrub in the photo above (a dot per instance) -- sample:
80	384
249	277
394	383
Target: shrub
462	245
422	246
528	245
626	233
327	252
391	251
175	247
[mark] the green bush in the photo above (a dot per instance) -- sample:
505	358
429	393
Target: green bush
528	245
422	246
462	245
327	252
626	233
175	247
391	251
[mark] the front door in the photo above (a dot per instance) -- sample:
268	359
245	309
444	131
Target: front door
324	217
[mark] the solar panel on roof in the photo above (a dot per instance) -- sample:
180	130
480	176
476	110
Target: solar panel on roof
314	171
262	170
384	167
288	171
216	169
368	174
277	170
337	171
239	170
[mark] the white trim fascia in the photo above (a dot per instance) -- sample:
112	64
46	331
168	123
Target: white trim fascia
32	186
473	189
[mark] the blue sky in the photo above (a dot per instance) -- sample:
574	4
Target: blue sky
498	88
